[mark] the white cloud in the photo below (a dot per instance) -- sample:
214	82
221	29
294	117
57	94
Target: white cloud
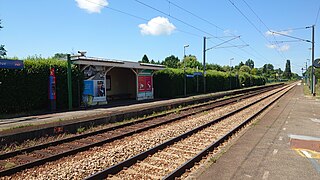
157	26
284	47
271	46
270	33
92	6
229	32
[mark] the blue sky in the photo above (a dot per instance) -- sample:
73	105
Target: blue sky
127	29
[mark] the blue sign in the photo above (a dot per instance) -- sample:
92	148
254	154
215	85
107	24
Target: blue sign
197	73
11	64
190	75
88	87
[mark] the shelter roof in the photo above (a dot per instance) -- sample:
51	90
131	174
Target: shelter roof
114	63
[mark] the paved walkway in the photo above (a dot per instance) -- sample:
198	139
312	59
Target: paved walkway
284	144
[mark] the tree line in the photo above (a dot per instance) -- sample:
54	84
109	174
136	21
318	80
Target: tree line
191	61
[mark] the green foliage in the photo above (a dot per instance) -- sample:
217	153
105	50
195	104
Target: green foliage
145	59
245	68
60	56
191	62
171	62
169	82
250	63
3	51
267	68
254	71
216	67
27	89
239	66
287	72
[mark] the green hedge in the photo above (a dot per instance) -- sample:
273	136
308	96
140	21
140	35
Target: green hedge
169	83
27	89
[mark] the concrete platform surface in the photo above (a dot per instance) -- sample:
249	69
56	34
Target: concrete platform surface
283	144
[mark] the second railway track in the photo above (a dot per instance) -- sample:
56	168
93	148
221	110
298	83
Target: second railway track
172	158
94	139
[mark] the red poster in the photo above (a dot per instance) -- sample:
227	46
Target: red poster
52	85
148	83
141	84
144	83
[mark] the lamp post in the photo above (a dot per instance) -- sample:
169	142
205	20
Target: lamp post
306	73
184	69
230	72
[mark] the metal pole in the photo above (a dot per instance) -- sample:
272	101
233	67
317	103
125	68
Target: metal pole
313	82
306	74
184	69
197	80
230	72
69	82
204	64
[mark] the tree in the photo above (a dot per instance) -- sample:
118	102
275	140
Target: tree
267	68
245	68
250	63
60	56
145	59
191	62
237	67
3	51
216	67
254	71
287	72
171	62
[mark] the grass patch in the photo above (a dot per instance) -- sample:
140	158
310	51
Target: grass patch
81	129
21	126
9	165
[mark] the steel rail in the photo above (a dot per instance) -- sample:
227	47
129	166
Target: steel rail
189	164
129	162
86	147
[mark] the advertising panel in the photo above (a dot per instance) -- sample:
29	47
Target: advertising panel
52	85
94	91
145	89
99	91
144	83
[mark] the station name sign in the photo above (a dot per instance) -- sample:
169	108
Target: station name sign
11	64
316	63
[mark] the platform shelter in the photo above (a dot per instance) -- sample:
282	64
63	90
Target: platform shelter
109	79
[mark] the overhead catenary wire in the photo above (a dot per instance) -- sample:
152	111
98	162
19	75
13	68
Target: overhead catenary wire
315	23
177	19
279	52
140	18
181	20
250	22
222	29
144	19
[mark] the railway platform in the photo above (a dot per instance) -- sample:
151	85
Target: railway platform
283	144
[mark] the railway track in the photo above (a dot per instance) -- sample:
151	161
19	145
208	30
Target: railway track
172	158
40	154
